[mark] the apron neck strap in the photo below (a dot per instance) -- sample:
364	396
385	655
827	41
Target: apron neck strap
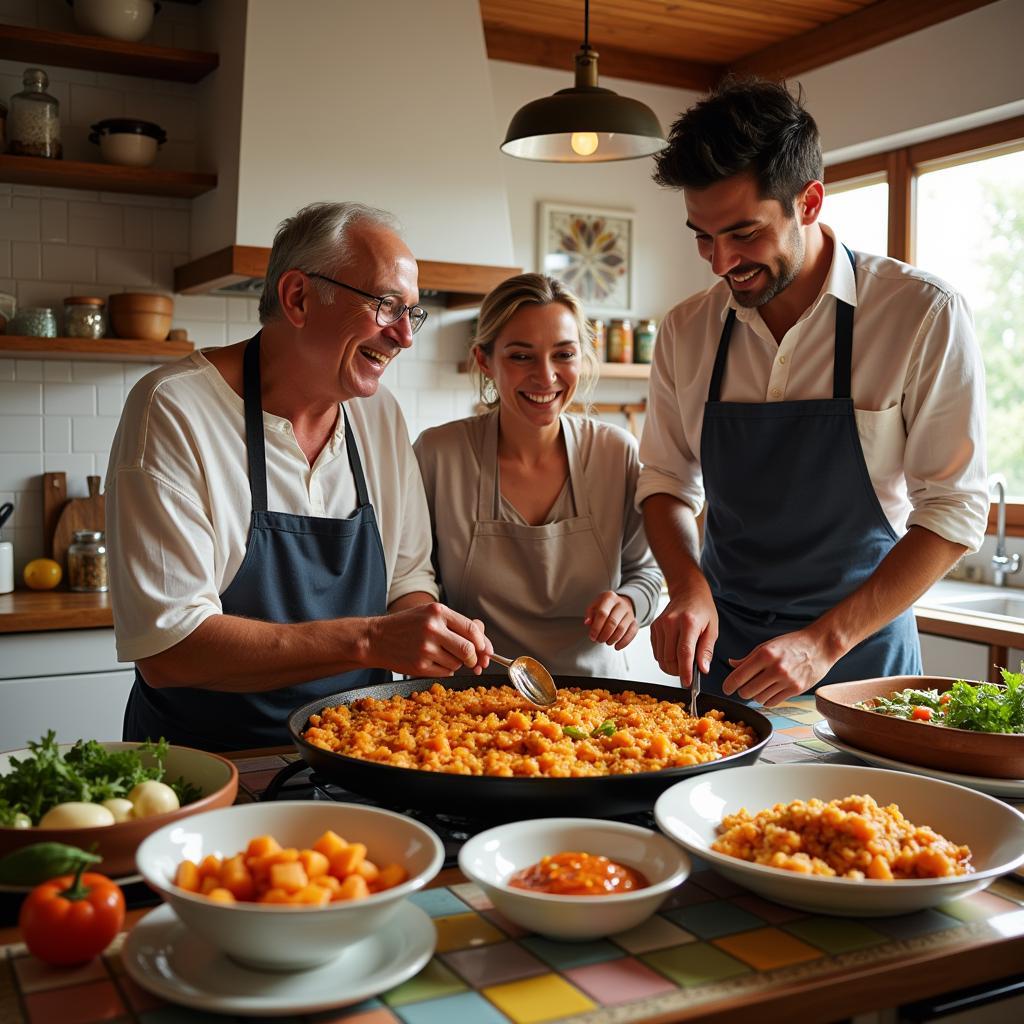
254	440
354	462
488	498
842	371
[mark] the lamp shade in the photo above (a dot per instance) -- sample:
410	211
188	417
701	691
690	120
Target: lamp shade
584	124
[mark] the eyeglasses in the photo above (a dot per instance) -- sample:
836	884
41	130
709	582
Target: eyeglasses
389	309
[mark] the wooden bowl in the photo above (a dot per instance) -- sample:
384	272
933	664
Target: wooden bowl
116	844
963	751
140	315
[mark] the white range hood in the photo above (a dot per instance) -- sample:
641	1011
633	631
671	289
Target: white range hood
385	102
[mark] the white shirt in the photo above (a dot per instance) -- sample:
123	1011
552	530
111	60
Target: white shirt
918	389
178	502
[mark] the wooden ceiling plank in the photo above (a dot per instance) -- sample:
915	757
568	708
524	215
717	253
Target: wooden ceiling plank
872	26
549	52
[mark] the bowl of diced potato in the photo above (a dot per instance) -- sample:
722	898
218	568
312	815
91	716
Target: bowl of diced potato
288	885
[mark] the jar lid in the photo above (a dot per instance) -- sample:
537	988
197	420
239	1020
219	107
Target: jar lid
35	76
127	126
80	535
83	300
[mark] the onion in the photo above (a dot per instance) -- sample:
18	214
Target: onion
120	808
149	798
77	815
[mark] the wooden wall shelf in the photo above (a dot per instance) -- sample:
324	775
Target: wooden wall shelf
123	350
609	371
143	181
94	53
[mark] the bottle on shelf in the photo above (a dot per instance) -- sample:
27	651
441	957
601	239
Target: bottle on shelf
620	341
33	121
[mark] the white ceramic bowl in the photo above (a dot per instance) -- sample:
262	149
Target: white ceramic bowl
284	938
690	812
127	20
492	857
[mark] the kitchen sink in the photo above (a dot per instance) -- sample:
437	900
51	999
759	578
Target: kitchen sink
1004	607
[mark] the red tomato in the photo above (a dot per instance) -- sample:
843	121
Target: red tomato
921	714
71	919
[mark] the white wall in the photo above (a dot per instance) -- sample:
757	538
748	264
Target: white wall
389	102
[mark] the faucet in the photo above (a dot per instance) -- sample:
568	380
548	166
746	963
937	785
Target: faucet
1003	565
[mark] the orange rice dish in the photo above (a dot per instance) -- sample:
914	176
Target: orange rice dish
491	730
849	838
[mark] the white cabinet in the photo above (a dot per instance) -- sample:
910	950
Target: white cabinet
66	680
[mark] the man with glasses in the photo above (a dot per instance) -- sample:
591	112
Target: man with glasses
269	536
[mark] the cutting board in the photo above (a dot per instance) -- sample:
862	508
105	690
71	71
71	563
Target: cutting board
78	514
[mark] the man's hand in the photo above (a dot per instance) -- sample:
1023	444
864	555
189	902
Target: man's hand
782	667
612	620
428	640
686	631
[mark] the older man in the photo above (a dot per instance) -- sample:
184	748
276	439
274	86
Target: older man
269	535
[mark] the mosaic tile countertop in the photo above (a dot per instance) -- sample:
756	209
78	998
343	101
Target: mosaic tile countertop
711	944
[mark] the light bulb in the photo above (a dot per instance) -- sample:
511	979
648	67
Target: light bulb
583	143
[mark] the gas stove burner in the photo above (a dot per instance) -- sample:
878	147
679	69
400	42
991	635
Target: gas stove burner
297	781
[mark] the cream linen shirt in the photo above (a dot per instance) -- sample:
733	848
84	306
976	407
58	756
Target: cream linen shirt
918	389
178	502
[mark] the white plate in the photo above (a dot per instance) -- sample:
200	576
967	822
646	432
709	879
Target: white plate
691	811
181	967
1012	789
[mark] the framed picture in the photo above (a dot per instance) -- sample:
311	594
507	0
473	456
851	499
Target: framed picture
590	250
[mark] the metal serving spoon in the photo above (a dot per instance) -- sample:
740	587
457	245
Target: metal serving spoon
531	679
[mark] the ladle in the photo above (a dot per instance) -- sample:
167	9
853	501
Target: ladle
531	679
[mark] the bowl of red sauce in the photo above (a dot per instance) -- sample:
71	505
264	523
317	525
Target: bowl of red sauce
574	878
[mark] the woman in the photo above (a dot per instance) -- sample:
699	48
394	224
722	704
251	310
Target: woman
535	531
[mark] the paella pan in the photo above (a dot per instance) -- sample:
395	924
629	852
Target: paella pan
509	798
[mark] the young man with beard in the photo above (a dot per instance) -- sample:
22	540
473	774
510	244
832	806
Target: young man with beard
828	405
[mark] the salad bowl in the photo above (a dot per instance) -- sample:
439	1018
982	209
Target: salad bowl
963	751
213	776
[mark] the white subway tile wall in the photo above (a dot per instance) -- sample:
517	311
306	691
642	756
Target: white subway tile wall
62	414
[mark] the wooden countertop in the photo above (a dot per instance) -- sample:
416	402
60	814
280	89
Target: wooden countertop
32	611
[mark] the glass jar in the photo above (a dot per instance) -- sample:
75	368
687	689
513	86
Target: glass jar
643	340
87	562
620	341
34	322
84	317
8	306
598	336
33	123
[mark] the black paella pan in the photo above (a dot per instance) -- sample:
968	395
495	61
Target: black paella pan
503	799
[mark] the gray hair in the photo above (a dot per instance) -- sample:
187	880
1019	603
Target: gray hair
315	240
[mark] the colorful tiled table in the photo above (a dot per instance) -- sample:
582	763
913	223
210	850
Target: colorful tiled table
713	952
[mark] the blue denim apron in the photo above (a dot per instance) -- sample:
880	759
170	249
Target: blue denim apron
793	523
296	569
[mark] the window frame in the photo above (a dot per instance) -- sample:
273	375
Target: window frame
900	169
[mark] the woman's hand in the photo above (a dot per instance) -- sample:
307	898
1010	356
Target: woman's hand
612	620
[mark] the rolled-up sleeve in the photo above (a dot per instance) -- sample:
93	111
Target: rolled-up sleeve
669	464
944	413
641	577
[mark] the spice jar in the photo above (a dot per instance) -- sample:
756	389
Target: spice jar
34	322
598	337
33	123
84	317
643	340
87	562
620	341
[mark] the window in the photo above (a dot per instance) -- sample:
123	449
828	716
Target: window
970	231
955	207
859	212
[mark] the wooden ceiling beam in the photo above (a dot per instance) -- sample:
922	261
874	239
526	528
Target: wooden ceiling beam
553	52
865	29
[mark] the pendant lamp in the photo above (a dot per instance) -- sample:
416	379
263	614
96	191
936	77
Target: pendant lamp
584	124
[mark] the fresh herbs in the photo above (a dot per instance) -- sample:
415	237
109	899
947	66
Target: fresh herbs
980	707
87	772
606	728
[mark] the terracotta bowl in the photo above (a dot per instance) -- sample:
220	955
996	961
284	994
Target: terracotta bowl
116	844
993	755
140	315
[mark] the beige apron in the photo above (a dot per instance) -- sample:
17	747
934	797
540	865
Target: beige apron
531	585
